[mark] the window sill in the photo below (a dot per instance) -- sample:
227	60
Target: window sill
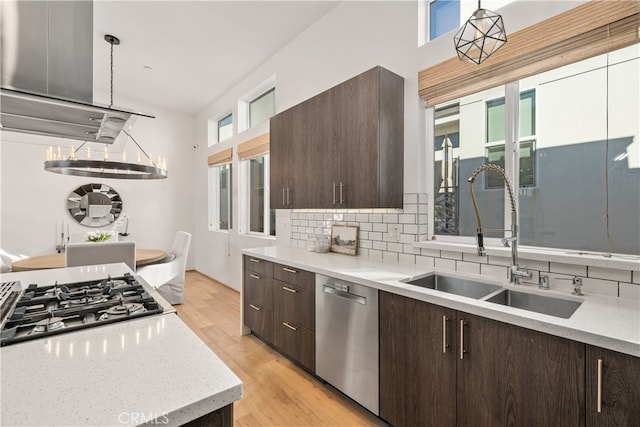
591	259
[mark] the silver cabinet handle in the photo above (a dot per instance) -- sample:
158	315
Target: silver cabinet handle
254	260
293	328
283	199
462	350
444	334
289	270
334	193
599	401
255	307
351	297
255	276
293	291
288	200
341	198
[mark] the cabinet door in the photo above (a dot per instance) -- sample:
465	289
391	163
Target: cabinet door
510	375
296	341
259	319
417	363
280	138
619	388
356	110
295	304
258	290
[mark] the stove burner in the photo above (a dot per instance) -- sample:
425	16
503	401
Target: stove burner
89	299
122	310
48	325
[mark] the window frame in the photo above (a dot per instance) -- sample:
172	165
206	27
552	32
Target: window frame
245	199
256	99
214	197
428	5
230	115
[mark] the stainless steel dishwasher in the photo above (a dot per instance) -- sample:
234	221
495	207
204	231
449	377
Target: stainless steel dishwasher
347	339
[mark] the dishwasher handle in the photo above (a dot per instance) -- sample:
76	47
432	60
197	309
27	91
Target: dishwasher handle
352	297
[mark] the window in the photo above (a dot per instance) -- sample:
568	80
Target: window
220	209
574	165
225	128
444	16
262	107
261	218
495	129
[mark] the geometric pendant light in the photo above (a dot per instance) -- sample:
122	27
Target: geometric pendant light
480	36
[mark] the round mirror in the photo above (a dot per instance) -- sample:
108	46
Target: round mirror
94	205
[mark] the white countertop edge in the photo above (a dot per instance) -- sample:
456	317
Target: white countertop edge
387	276
592	259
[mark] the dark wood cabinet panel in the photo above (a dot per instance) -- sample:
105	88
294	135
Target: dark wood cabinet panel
295	304
295	341
417	378
505	376
259	319
295	276
258	290
619	388
341	148
222	417
259	266
515	376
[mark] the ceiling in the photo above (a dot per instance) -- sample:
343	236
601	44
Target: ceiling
196	50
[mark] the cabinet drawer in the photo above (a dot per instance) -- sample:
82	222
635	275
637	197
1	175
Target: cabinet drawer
259	319
295	304
296	341
295	276
257	265
258	290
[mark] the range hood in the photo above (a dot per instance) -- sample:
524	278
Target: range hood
47	73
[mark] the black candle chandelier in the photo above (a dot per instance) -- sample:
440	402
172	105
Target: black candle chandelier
480	36
56	162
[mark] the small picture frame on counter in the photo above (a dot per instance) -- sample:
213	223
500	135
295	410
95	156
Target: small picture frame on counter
344	239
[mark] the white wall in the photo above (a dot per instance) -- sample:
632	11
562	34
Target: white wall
33	202
349	39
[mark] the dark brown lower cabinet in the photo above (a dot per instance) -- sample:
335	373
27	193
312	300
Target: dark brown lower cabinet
613	388
440	367
417	378
296	341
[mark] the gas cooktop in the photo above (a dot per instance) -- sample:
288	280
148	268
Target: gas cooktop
40	311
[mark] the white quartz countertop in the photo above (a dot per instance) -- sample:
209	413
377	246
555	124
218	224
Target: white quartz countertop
122	374
612	323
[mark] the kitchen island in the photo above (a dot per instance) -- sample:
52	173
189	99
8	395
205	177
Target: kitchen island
150	370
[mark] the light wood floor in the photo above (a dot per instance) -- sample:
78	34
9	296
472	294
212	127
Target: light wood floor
275	391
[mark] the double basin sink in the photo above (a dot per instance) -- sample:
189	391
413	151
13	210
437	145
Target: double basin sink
470	288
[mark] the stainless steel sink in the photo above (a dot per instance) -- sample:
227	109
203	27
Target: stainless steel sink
454	285
551	306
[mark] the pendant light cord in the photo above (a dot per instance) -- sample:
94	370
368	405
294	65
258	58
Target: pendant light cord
111	79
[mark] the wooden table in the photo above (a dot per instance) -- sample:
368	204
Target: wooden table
143	256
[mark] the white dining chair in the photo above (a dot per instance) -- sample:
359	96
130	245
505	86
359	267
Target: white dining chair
80	254
168	276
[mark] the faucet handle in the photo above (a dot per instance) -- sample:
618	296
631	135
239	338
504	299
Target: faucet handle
576	282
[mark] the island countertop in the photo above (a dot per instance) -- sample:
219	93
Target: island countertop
122	374
611	323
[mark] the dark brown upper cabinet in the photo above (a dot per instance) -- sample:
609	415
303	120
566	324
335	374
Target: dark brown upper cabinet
342	148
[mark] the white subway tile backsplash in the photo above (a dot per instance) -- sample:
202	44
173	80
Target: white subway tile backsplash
408	248
499	260
445	264
375	254
535	265
407	238
407	218
390	218
375	217
410	229
363	252
599	287
374	235
576	270
410	208
362	217
366	226
423	198
474	258
495	271
394	247
451	255
609	274
365	244
409	198
407	258
426	261
629	291
379	245
363	235
467	267
349	217
636	276
380	227
338	217
390	256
